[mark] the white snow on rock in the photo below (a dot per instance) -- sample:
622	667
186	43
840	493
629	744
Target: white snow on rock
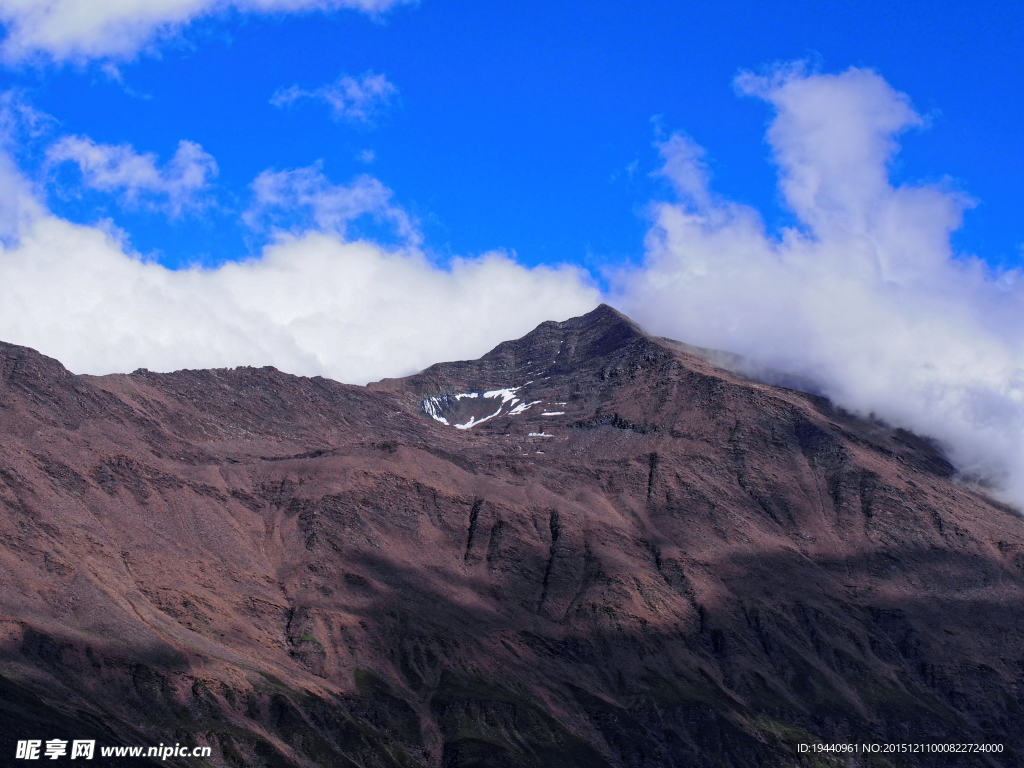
553	413
473	421
505	394
434	406
540	434
522	408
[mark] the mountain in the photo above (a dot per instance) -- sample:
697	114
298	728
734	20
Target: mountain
590	547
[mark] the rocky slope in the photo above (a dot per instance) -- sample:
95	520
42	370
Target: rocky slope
590	547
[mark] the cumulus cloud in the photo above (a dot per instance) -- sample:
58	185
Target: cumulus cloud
19	204
78	30
305	199
137	177
865	296
355	99
309	304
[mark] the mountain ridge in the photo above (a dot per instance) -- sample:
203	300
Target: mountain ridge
654	561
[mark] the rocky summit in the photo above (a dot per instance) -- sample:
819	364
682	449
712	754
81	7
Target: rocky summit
591	547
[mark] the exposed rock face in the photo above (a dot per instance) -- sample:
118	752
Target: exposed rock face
623	556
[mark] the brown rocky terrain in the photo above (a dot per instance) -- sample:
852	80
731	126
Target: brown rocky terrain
631	557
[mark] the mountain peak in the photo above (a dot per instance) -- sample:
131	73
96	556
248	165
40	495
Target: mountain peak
601	331
552	348
598	321
565	369
604	312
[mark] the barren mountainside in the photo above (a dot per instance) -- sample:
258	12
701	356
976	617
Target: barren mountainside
590	547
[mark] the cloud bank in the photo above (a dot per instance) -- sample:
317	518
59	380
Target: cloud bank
865	296
312	303
79	30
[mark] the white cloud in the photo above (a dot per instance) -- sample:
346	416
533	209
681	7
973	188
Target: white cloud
18	118
119	168
683	165
78	30
310	304
356	99
19	204
307	200
865	296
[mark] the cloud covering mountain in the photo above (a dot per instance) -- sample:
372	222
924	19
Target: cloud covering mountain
864	296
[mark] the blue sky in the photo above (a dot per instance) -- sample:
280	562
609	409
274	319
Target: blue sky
525	126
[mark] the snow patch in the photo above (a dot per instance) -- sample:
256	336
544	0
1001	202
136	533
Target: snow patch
522	408
553	413
473	421
432	407
504	394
